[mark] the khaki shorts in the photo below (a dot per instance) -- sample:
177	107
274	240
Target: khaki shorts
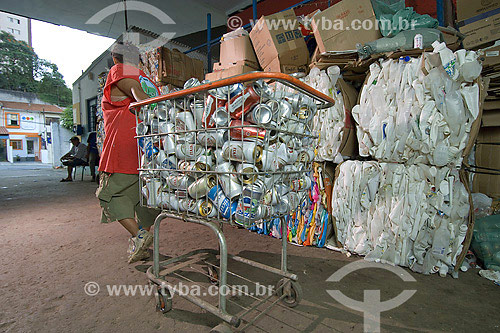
119	198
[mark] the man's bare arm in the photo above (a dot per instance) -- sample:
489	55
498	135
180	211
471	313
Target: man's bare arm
132	88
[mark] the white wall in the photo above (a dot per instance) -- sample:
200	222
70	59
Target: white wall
60	143
23	26
10	156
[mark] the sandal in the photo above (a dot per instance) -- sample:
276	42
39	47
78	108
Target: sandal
66	180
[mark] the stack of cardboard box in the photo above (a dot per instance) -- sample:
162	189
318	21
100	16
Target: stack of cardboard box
479	21
487	157
173	67
275	44
236	57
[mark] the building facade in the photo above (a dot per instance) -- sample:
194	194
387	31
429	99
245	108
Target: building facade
18	26
27	124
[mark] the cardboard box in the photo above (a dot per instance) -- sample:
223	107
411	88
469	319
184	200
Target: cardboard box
481	30
220	66
490	56
488	156
491	118
469	8
241	67
340	27
276	66
176	68
237	49
277	39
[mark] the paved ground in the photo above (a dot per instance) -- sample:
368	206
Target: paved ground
53	245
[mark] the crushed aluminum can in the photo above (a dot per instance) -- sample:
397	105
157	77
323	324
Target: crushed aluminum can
181	194
184	121
279	190
200	187
261	114
272	132
221	117
154	124
247	172
191	83
152	191
184	165
189	151
180	103
165	161
148	148
285	111
206	208
301	184
212	138
197	107
274	105
242	151
211	104
223	204
247	132
247	211
180	182
242	103
169	201
218	156
305	156
231	90
255	190
162	109
274	158
291	155
146	163
205	162
228	179
262	89
142	128
187	205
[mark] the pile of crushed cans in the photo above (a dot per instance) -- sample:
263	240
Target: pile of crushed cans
240	153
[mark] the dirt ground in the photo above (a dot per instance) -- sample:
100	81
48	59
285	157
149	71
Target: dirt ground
53	245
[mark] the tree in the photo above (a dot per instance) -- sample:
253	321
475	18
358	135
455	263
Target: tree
18	64
21	69
51	87
67	118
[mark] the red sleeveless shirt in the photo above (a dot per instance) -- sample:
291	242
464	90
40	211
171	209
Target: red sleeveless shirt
119	152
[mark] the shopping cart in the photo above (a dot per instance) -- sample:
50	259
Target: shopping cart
236	151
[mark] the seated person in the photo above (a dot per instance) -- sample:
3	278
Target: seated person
92	154
76	156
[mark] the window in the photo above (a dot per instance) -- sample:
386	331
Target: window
49	120
92	114
16	144
14	31
14	20
12	120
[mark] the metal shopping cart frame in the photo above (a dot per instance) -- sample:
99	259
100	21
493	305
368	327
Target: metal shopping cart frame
287	290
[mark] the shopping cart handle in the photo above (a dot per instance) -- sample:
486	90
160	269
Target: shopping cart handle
283	78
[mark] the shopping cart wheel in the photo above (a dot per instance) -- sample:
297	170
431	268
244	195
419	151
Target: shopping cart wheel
221	328
292	290
163	300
